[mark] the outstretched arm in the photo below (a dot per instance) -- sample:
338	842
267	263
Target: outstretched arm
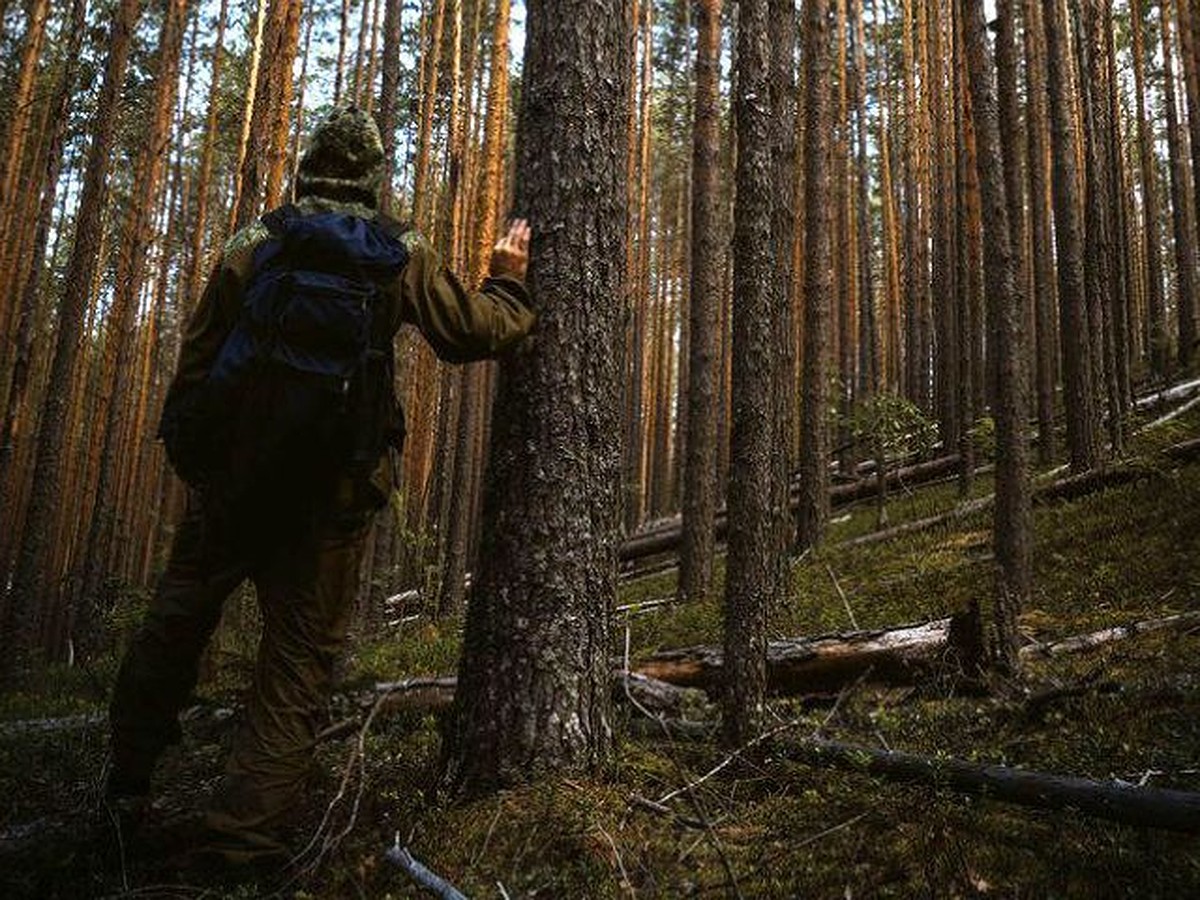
461	325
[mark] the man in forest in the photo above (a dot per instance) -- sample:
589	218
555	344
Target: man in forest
264	504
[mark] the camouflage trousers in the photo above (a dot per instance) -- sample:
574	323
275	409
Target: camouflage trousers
305	583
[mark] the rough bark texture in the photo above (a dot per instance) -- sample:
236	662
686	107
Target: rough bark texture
1151	235
700	471
1012	527
751	582
534	675
1038	129
1185	243
1076	348
813	512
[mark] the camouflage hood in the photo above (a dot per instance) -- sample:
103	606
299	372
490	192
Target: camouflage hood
344	160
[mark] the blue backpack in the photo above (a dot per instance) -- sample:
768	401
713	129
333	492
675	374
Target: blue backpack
302	388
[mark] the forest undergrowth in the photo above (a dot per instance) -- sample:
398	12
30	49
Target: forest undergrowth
763	826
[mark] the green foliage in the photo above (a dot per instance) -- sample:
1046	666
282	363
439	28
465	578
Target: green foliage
891	423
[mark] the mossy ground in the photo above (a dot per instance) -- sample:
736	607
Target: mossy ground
775	828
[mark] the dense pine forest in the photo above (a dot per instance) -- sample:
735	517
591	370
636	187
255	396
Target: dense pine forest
834	533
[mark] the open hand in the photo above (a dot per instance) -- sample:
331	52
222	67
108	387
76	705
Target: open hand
510	256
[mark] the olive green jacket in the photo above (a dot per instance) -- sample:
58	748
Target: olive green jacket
460	325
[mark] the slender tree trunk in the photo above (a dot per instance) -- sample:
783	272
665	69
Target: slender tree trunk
700	472
1012	527
388	94
136	238
813	511
1038	128
1074	330
1156	304
1185	238
15	411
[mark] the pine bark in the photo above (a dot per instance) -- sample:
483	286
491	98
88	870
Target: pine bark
1185	237
1074	328
1041	229
813	512
700	471
534	679
1012	525
1155	301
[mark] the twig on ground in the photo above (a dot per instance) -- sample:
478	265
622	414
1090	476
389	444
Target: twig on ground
620	862
842	594
399	856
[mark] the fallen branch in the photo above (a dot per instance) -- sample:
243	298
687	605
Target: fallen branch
1113	800
1083	642
400	857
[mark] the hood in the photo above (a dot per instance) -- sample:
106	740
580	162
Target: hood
344	160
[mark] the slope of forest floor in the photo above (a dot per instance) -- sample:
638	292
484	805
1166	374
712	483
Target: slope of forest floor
763	826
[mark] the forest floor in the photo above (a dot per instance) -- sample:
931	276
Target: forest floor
763	826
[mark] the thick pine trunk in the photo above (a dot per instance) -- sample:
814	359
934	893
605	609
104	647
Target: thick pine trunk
534	675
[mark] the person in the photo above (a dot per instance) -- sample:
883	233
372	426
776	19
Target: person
302	556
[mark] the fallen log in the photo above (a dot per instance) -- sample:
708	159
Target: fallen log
1115	801
820	664
899	656
665	536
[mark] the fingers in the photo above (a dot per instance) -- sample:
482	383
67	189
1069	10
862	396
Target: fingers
518	235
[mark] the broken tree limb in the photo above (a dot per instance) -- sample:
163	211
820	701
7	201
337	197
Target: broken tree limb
1082	642
433	694
1112	800
899	656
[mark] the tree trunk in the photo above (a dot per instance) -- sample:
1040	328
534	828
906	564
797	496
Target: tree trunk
700	472
813	512
1012	533
1038	128
1185	238
751	581
534	674
1155	303
1075	327
137	234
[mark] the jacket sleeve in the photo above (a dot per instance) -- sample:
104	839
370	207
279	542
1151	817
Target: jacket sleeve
460	325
